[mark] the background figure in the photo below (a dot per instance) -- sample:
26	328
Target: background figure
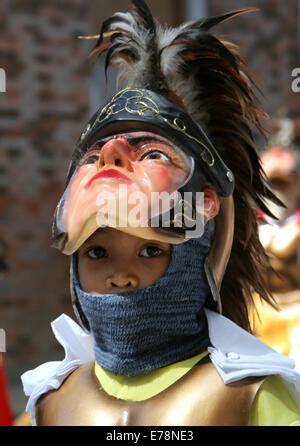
281	239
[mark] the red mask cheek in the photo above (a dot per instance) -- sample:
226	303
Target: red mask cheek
160	177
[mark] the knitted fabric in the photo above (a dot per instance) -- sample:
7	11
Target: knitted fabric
139	331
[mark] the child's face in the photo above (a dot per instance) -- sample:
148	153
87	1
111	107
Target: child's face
111	261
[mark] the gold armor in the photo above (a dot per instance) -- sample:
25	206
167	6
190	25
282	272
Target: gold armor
200	398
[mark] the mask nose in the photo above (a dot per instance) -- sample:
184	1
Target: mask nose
116	152
122	282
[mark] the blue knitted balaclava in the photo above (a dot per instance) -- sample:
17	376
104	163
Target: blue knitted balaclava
137	332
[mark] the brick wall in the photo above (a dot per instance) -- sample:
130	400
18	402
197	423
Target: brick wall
41	115
270	43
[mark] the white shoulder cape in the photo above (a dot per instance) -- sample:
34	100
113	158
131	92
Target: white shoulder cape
235	353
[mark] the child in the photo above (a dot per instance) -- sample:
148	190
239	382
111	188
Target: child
128	289
158	350
111	260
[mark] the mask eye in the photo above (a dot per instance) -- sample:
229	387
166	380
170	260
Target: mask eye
155	155
91	157
150	251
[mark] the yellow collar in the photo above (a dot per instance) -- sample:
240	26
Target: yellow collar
142	387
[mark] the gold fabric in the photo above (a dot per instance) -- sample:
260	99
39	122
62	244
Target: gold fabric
279	329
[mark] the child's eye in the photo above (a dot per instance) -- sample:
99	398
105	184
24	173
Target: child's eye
150	251
97	253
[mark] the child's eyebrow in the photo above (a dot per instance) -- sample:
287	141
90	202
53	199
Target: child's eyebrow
157	244
93	242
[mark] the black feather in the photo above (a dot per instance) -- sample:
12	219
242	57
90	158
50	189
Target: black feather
144	13
206	24
211	80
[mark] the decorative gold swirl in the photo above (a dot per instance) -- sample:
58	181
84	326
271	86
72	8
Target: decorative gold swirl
140	104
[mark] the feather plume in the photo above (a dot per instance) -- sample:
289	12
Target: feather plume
207	77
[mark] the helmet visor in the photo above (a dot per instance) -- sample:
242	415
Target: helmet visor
125	181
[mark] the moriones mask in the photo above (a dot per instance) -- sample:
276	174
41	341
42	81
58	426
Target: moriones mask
146	144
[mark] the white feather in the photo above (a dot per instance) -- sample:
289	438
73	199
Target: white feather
166	35
170	60
126	16
124	26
